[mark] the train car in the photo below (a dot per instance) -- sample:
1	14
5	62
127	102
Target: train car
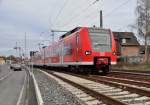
84	49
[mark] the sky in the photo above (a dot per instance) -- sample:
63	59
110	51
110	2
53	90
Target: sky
36	19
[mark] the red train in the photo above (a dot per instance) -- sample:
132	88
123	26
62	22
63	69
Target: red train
84	49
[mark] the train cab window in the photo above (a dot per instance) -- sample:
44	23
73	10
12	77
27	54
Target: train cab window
100	39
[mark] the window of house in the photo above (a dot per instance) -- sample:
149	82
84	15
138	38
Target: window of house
124	40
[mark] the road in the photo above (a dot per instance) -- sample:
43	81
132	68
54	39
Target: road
15	88
4	69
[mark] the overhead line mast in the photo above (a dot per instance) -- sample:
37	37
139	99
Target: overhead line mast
53	35
101	19
25	44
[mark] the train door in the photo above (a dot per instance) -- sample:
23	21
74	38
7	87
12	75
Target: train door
77	47
62	52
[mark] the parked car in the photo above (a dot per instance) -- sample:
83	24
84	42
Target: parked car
11	66
16	67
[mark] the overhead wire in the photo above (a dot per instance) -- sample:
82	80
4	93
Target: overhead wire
72	16
60	11
85	9
115	9
108	14
74	10
87	17
90	15
78	15
56	18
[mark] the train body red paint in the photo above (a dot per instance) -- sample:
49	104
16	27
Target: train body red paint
86	49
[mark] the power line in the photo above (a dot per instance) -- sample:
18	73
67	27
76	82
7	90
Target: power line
81	12
112	11
78	6
88	17
117	8
61	9
25	44
57	16
78	15
67	14
95	1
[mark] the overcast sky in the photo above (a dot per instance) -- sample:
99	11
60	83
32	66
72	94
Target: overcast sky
38	17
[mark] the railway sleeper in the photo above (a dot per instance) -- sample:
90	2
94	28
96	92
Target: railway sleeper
141	100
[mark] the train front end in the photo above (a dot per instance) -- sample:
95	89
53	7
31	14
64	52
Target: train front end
103	49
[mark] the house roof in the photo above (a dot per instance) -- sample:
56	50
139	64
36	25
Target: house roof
132	40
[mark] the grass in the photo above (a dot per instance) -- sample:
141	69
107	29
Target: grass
138	67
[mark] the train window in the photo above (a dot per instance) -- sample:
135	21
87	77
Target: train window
56	51
49	52
101	39
68	49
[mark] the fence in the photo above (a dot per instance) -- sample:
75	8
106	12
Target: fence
131	59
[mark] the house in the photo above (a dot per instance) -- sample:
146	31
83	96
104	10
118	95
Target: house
127	44
2	60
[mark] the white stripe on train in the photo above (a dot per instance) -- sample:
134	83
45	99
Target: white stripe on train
73	63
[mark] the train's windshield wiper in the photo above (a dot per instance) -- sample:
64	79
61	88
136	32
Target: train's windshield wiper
98	44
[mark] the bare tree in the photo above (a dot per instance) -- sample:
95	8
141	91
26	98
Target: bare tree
143	23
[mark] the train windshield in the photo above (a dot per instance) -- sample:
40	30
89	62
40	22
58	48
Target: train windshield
101	39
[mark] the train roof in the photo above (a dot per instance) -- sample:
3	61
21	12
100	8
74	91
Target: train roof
77	28
70	32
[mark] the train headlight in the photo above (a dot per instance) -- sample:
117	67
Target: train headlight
114	53
88	52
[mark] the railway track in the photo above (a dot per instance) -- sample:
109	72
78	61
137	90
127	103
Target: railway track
109	92
138	76
122	80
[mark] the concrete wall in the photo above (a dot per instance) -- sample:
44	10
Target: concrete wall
132	59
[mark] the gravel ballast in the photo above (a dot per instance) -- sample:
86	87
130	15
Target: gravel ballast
53	93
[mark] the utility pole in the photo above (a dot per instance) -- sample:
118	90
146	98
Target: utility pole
53	36
25	45
101	19
16	49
